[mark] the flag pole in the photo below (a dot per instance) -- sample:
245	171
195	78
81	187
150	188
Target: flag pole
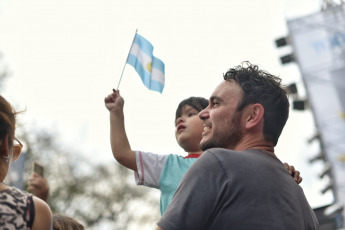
126	60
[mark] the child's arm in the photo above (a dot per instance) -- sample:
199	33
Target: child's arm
118	138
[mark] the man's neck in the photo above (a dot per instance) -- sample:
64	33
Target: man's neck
255	144
265	148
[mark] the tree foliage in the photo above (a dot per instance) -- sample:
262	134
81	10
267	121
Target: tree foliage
93	194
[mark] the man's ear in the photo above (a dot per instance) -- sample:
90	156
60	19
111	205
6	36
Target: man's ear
4	148
254	115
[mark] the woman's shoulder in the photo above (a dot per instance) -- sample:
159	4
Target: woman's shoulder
15	205
14	192
44	216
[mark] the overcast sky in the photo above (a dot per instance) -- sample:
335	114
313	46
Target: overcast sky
66	56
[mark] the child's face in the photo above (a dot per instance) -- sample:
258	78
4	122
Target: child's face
188	129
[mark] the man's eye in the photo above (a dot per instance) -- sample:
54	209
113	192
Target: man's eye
215	103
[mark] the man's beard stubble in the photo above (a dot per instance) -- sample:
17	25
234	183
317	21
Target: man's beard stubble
228	137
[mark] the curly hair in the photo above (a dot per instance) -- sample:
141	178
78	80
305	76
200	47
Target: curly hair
261	87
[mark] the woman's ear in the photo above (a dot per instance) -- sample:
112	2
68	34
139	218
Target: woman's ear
254	115
4	147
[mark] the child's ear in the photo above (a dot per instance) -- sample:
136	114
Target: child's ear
4	148
254	115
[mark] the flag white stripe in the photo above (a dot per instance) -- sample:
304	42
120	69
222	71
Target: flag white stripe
150	68
142	57
157	75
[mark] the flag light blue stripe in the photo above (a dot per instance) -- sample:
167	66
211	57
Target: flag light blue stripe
158	64
157	86
144	44
146	77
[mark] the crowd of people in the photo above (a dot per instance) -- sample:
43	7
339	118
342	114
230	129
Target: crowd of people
231	177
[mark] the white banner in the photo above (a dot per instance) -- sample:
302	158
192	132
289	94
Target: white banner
318	41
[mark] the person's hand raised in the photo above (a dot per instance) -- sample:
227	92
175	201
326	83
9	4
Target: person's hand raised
38	186
114	102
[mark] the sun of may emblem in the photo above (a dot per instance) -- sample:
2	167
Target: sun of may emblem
149	67
342	115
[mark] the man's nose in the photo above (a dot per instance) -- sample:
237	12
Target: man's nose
203	114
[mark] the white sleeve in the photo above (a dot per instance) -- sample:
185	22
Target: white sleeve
150	167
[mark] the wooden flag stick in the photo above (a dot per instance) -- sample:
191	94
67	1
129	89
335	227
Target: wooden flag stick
118	85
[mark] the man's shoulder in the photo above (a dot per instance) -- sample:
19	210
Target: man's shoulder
223	152
216	150
214	156
227	155
230	152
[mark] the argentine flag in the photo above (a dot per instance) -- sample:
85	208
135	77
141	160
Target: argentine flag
149	68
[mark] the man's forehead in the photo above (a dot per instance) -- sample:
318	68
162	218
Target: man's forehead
226	89
223	87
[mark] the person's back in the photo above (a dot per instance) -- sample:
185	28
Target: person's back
260	194
262	178
16	209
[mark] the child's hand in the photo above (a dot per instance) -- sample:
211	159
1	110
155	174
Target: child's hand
294	173
38	186
114	101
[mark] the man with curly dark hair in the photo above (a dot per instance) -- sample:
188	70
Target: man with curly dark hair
238	182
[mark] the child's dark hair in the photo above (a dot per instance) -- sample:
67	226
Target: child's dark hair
198	103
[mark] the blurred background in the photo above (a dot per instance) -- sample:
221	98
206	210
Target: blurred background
59	59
